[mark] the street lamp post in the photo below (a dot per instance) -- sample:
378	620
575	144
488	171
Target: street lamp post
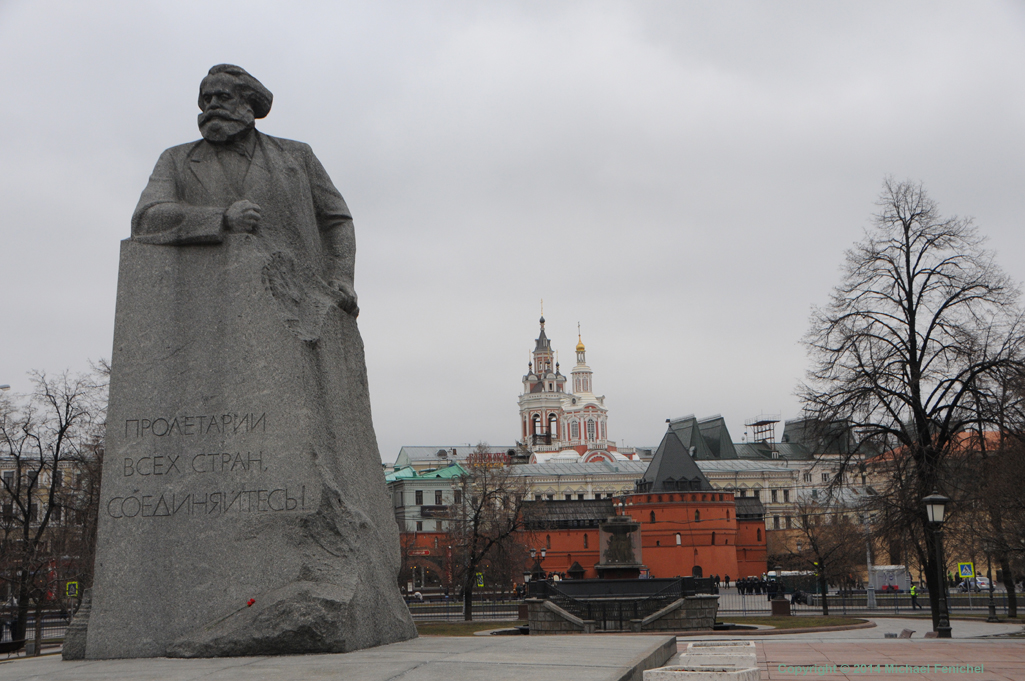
935	507
870	589
989	575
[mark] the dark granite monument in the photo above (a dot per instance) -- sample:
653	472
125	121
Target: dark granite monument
243	507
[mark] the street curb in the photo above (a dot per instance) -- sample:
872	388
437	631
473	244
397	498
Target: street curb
776	632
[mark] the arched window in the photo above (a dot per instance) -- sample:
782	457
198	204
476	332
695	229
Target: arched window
727	515
574	430
679	539
548	541
590	429
652	516
697	516
602	430
759	534
713	539
553	424
537	424
585	541
696	572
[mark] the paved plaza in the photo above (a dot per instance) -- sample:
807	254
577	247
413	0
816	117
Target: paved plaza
476	658
829	655
865	653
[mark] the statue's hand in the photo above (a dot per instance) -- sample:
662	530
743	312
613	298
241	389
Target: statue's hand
242	216
346	295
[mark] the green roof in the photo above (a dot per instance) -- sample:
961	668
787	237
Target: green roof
408	473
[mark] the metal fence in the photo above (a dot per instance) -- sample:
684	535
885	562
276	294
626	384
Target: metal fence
451	610
733	603
54	626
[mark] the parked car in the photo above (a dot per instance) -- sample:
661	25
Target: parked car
975	584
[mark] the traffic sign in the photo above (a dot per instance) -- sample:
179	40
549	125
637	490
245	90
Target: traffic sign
480	579
71	589
418	552
965	570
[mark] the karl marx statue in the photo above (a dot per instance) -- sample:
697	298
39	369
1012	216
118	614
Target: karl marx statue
243	508
236	179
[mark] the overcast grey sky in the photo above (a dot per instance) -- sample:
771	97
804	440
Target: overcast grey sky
680	178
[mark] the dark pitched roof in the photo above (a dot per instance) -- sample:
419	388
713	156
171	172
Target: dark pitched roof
749	508
673	468
709	437
820	437
551	515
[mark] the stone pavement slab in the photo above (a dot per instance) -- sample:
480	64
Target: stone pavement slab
496	658
910	660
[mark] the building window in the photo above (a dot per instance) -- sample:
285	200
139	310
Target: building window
727	515
553	425
775	522
548	542
597	495
807	477
713	539
537	424
58	478
743	493
438	527
438	498
419	497
574	429
603	430
568	497
585	541
457	496
9	479
775	494
580	497
419	526
789	526
679	539
590	429
786	495
759	534
825	477
756	493
550	497
862	478
537	497
697	516
652	516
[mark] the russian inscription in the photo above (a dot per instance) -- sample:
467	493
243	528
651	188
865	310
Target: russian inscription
207	503
222	424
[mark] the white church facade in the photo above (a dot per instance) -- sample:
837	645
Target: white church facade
558	425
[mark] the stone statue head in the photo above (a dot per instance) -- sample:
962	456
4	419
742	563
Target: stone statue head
231	100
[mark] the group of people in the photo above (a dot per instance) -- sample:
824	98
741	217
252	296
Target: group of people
759	586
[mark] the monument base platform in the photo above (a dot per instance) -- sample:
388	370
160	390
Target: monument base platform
604	657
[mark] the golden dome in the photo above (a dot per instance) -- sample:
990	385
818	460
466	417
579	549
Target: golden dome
580	345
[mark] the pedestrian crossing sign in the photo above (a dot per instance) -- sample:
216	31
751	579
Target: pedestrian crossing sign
480	579
71	589
965	570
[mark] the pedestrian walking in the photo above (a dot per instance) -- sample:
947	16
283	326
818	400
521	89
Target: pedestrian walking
726	580
914	598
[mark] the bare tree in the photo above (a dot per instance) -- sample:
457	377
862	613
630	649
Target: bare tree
486	525
921	318
44	437
825	540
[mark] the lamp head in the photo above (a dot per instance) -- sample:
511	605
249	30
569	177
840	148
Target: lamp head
935	507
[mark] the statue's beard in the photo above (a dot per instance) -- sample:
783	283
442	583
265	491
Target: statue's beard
220	126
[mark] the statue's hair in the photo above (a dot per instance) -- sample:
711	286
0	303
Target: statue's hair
260	98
